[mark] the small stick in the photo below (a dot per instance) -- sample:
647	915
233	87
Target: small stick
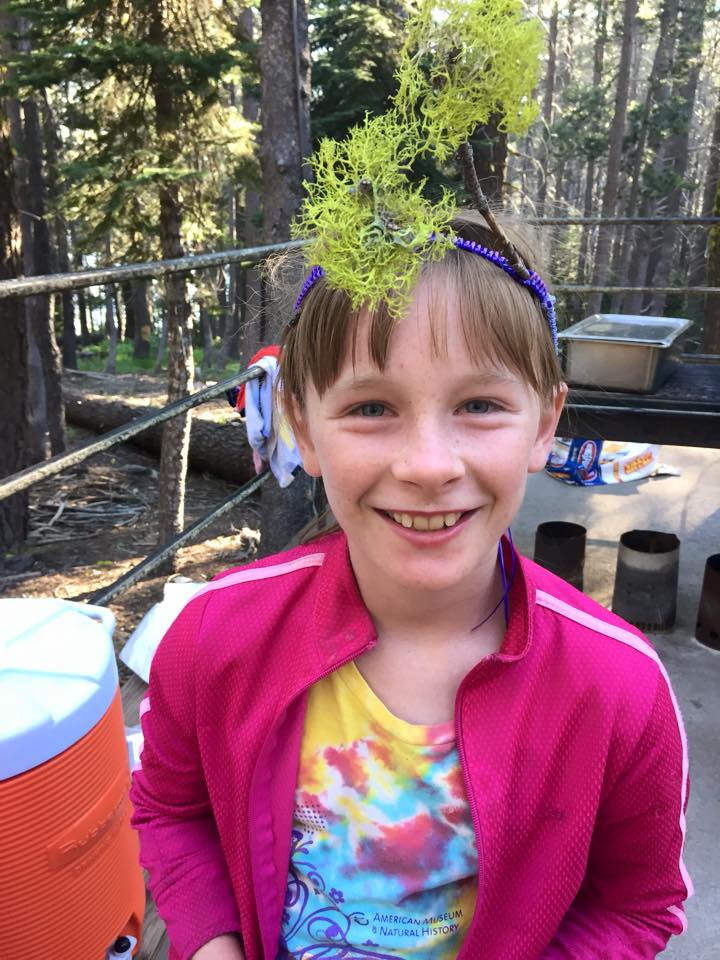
467	161
15	577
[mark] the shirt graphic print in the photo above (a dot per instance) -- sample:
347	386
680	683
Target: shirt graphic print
383	861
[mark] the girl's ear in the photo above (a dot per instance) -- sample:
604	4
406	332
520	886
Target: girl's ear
549	415
298	422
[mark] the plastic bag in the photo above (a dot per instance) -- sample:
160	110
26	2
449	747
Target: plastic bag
591	463
140	648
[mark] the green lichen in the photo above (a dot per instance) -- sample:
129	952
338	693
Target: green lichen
465	62
368	224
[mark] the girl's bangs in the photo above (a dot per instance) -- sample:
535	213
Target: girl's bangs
502	322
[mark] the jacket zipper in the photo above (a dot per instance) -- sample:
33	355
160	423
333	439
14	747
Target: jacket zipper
473	807
321	676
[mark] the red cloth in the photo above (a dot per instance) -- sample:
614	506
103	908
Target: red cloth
573	753
272	351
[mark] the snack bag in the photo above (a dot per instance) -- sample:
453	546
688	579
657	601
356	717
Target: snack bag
591	463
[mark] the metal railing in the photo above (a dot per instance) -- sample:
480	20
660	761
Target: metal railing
57	283
26	478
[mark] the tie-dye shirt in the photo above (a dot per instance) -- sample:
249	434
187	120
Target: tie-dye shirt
383	861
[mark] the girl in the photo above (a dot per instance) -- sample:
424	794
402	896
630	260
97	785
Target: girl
403	739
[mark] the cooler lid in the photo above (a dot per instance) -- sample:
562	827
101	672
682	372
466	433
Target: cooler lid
58	677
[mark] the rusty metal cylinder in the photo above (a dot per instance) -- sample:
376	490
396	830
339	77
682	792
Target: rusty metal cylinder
646	579
560	548
707	628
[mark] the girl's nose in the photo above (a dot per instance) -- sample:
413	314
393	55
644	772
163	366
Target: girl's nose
429	456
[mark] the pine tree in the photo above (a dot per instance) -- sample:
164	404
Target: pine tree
13	356
355	46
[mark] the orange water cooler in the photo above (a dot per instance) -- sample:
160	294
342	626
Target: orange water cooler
70	881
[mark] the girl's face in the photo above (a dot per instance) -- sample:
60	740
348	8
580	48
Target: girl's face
425	462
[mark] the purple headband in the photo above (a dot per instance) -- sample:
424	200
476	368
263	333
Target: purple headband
533	283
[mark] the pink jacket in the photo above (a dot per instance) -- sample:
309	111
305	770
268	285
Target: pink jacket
570	738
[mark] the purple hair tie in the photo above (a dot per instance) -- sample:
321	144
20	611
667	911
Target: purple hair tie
533	283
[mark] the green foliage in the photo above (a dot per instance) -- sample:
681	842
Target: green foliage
94	357
101	63
581	128
366	219
356	48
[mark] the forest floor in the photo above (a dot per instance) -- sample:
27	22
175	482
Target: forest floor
94	522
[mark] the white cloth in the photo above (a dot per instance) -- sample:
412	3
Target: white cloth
268	430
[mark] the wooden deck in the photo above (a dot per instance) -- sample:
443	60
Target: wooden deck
154	940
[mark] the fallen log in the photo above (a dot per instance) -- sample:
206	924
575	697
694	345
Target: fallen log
220	448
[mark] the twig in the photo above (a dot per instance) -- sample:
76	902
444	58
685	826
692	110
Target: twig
58	513
13	577
467	161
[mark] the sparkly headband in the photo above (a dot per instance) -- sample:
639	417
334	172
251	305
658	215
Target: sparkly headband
531	282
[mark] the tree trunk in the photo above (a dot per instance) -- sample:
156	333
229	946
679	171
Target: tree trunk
110	329
83	313
129	304
490	152
52	149
285	142
229	319
176	433
577	301
207	338
617	130
141	318
547	109
40	306
13	356
701	245
688	62
634	239
162	343
598	60
285	65
36	416
119	312
221	448
248	303
111	318
711	326
76	261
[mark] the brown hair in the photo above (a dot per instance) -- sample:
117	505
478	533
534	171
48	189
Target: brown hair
501	320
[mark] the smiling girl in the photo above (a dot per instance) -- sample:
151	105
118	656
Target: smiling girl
403	739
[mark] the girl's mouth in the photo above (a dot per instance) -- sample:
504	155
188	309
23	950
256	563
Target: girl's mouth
433	522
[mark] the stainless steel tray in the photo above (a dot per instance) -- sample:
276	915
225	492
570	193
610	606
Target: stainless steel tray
618	351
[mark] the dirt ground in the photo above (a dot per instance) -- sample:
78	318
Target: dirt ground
94	522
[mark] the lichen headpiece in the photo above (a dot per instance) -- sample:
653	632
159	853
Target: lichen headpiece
368	224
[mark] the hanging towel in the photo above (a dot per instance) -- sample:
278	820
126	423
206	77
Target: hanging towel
236	395
268	430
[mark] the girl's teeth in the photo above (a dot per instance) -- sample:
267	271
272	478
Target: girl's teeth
436	522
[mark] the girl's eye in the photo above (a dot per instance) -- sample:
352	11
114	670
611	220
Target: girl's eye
370	409
479	406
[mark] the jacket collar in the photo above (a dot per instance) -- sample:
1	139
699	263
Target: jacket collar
344	628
